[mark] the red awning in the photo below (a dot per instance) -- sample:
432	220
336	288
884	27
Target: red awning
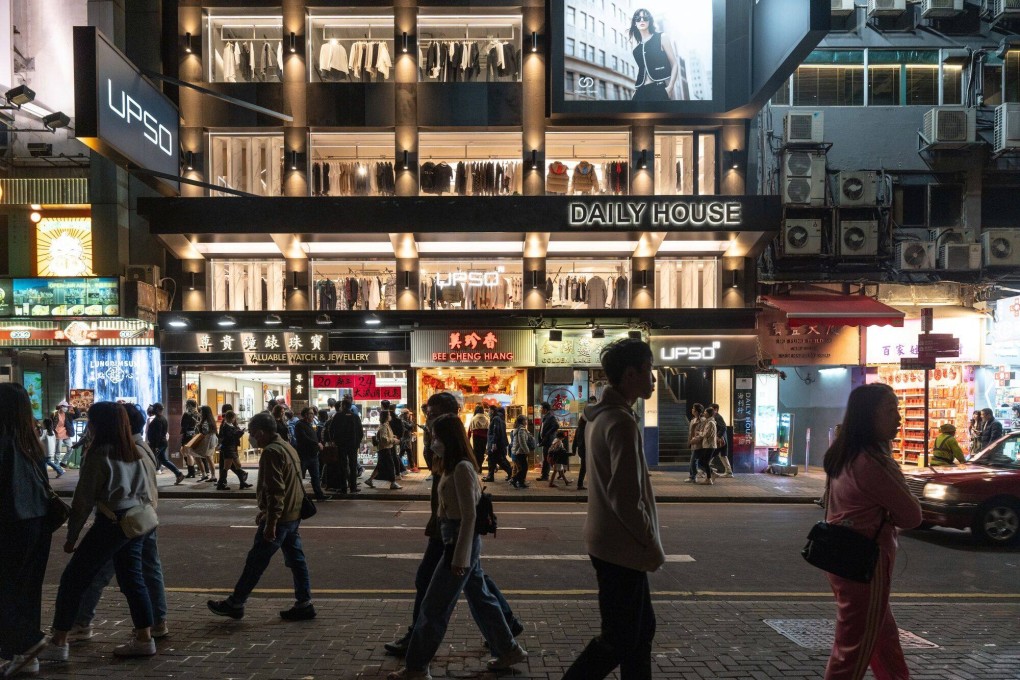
834	310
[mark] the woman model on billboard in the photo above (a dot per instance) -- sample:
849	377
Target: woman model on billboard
657	65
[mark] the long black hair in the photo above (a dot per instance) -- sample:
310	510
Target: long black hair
635	34
17	421
857	433
111	427
451	432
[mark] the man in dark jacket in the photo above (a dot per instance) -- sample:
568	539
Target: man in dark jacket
720	451
497	444
546	437
346	432
308	448
189	426
580	448
992	428
155	437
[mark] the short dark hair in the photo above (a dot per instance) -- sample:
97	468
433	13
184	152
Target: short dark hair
263	422
308	409
521	421
136	418
225	408
443	402
157	407
987	412
192	403
546	405
715	406
626	353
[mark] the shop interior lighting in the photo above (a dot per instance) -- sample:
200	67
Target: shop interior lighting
592	246
403	42
373	320
189	160
598	333
407	279
323	320
191	282
239	248
534	159
693	246
634	335
734	278
187	43
455	247
293	42
534	42
273	320
348	247
555	335
407	155
226	321
643	160
177	322
19	96
292	158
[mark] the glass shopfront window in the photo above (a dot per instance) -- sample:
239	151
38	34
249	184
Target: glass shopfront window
469	48
352	164
587	162
687	283
243	48
471	163
587	284
239	285
685	163
354	47
250	163
472	284
358	285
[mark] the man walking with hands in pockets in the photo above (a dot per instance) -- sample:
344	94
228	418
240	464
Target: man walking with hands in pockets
621	531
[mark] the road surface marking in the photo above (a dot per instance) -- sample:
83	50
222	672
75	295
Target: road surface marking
502	512
317	526
567	558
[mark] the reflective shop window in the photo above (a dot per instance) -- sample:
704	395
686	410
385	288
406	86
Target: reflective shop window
830	78
952	83
249	163
471	163
685	163
242	285
590	162
343	285
352	164
587	283
687	283
483	283
243	47
355	46
903	77
992	74
469	47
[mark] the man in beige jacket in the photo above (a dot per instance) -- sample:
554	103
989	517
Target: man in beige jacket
621	531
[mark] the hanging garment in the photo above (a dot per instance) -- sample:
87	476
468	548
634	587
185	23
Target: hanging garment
585	180
557	181
621	297
383	63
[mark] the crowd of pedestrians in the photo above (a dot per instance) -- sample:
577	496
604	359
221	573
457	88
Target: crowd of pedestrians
865	490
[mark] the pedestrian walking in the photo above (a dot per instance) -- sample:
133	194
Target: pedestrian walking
189	428
230	442
522	446
279	493
445	405
346	432
694	440
397	427
720	440
459	492
559	456
152	567
478	430
63	428
579	447
25	539
205	450
865	491
546	437
496	442
409	441
156	437
621	530
709	441
280	419
308	448
385	443
113	481
49	442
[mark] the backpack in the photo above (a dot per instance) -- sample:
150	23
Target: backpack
485	515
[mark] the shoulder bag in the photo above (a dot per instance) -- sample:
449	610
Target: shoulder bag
308	508
842	551
57	511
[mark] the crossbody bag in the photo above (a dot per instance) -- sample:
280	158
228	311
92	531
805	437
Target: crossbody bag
840	550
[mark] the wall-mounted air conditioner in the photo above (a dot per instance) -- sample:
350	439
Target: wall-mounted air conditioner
915	256
1007	127
937	9
148	273
944	236
843	8
858	238
1001	247
960	257
802	237
1001	9
856	188
949	127
804	127
804	177
886	8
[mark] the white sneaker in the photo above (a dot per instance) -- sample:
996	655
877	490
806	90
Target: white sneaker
710	481
394	485
136	648
688	481
728	474
160	630
80	633
514	656
52	652
405	674
20	665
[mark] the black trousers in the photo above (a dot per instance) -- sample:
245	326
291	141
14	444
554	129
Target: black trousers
584	468
498	459
227	464
628	627
545	463
26	550
346	477
521	459
704	459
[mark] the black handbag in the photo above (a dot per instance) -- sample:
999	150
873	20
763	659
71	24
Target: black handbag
842	551
57	511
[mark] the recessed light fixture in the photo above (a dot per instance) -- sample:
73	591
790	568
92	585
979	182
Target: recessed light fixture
177	323
226	321
273	320
323	320
373	320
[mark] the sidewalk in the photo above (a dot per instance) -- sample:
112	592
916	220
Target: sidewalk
695	640
669	488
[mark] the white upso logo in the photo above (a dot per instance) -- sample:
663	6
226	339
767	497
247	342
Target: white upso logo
488	279
130	110
693	353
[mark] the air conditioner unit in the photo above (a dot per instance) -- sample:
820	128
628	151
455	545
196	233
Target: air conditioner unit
886	8
960	257
856	188
802	237
804	177
148	273
843	8
804	127
915	256
1007	127
949	127
858	238
952	235
936	9
1001	247
1002	9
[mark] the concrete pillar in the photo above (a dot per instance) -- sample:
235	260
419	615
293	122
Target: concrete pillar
193	292
642	282
642	145
298	285
534	85
405	74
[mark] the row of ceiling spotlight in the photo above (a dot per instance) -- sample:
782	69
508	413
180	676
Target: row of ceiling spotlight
228	321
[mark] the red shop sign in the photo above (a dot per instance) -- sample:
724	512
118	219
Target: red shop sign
350	381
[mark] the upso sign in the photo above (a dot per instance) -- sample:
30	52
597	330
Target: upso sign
704	350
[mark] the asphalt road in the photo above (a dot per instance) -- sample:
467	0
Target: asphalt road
716	551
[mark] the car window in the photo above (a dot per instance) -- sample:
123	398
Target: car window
1003	453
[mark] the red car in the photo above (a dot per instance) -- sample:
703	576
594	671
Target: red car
983	494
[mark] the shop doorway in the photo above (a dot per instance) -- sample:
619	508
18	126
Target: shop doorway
678	389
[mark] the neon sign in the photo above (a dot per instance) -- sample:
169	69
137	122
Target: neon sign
691	352
486	279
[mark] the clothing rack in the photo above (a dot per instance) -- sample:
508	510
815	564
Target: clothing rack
467	31
367	36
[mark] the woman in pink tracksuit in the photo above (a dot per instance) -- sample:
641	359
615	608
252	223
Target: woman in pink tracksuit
866	490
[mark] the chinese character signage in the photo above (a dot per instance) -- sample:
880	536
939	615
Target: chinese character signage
276	348
60	297
704	350
362	386
1006	332
887	344
817	345
470	346
743	419
577	348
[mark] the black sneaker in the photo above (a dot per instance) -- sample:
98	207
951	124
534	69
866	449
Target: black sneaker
298	613
322	499
224	608
398	647
516	627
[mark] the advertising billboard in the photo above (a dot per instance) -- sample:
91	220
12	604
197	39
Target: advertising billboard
129	374
62	297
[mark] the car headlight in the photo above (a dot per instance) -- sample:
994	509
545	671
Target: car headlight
938	492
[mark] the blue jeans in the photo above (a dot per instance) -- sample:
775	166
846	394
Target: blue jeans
26	550
441	598
262	551
104	541
164	460
311	463
152	571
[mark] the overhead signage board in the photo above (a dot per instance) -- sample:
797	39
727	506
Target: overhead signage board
704	350
60	297
271	348
811	345
1005	333
75	333
888	344
577	348
362	386
473	346
120	114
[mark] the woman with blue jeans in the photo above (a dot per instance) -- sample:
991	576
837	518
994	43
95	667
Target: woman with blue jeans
459	492
113	478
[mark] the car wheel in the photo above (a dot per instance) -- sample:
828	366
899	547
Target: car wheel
998	522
